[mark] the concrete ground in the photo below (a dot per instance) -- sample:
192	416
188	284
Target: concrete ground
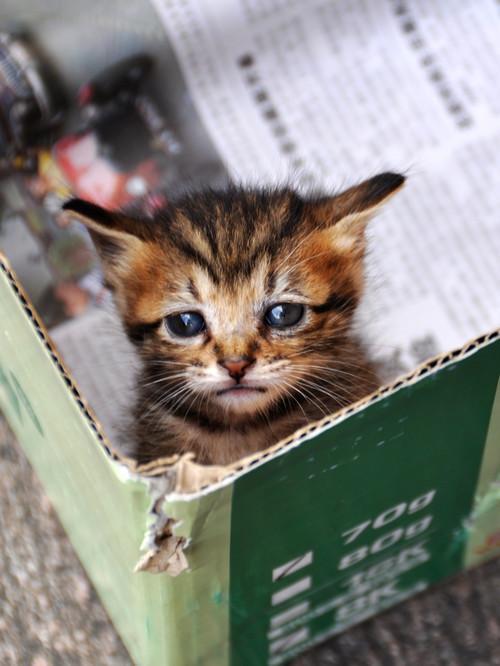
51	616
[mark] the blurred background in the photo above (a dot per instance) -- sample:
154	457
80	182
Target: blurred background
92	102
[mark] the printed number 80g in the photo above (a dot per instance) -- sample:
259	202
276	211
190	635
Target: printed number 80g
389	539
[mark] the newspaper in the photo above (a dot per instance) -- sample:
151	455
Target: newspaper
326	93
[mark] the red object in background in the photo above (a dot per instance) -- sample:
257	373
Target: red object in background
92	175
117	151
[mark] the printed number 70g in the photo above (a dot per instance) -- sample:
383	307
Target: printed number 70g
390	515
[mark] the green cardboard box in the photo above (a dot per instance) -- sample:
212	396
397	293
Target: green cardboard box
251	564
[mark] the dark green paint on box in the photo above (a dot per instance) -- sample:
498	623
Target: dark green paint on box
422	445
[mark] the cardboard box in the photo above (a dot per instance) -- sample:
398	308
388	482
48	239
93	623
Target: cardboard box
260	560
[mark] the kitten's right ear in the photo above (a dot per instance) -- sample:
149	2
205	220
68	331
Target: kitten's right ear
113	233
341	219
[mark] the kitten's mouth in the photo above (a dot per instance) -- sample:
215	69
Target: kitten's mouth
241	390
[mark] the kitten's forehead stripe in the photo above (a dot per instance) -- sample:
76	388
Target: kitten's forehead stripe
193	290
271	282
192	253
238	228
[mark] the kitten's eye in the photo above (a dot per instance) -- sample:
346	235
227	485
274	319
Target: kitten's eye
283	315
186	324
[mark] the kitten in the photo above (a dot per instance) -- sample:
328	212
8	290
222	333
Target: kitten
241	305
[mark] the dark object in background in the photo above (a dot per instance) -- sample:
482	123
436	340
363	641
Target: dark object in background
31	102
123	153
117	84
119	87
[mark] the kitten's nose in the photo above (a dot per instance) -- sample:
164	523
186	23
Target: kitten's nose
237	367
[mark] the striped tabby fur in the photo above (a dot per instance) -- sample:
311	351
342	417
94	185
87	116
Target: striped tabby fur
240	384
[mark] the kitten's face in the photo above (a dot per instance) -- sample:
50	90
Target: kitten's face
238	339
241	303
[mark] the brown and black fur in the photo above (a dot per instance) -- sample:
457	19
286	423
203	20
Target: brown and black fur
229	255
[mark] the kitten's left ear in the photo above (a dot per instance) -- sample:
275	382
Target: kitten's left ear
116	236
105	222
344	217
113	233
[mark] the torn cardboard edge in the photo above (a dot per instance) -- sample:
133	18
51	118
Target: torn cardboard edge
189	479
163	551
168	557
